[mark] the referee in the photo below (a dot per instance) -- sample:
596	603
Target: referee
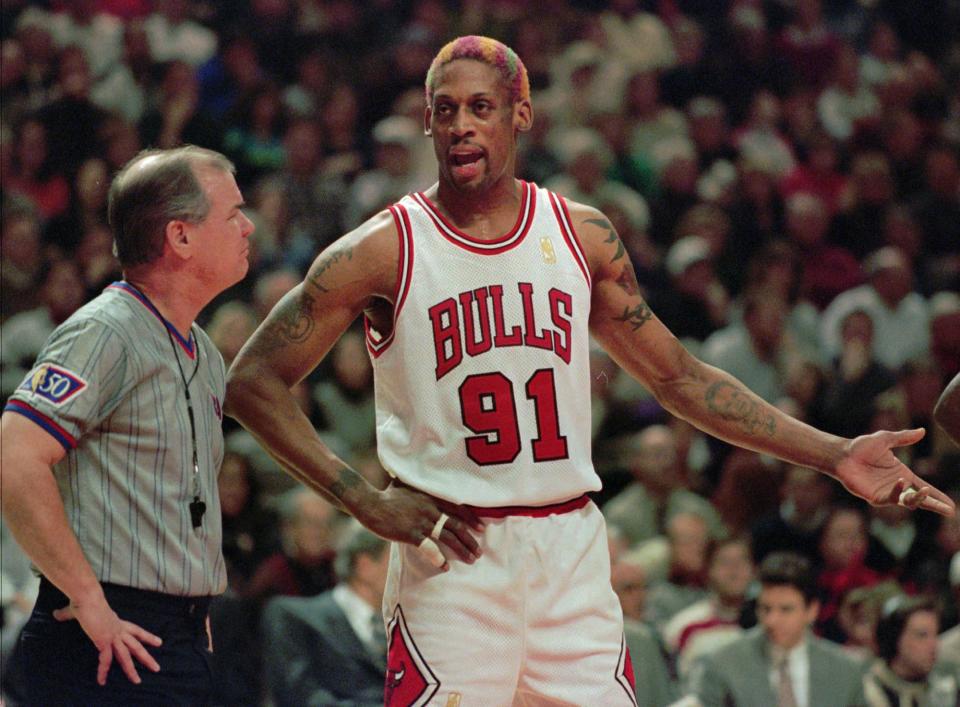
110	448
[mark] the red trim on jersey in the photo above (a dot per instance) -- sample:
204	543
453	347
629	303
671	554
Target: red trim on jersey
533	511
484	247
698	626
404	274
569	236
66	440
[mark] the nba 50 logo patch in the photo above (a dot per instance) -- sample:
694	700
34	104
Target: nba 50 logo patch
53	383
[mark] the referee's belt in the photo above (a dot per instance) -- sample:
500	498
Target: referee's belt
50	598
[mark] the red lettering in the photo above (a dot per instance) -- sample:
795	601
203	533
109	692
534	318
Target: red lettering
561	338
531	337
500	337
474	347
446	336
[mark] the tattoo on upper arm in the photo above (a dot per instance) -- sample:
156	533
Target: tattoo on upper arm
628	279
637	316
348	479
290	323
733	404
324	265
612	236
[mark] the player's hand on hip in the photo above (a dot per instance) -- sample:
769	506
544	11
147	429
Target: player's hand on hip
872	471
411	516
114	638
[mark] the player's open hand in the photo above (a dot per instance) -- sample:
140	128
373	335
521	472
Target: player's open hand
871	471
411	516
113	637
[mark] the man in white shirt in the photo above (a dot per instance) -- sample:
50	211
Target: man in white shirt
332	647
780	662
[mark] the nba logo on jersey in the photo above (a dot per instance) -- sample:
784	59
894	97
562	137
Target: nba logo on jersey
54	384
547	251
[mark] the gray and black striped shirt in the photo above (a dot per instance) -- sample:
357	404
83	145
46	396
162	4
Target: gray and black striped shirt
107	387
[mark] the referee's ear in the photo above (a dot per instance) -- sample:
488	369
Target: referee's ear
178	239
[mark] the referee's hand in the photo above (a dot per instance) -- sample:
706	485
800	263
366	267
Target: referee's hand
113	637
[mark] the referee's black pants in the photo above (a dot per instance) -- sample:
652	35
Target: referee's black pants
60	660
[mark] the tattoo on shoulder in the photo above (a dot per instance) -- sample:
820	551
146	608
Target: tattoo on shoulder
347	480
612	236
324	265
732	403
637	316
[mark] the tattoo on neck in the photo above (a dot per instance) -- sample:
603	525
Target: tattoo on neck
732	403
348	479
635	317
324	265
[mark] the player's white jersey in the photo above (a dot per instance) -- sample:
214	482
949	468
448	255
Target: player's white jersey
483	386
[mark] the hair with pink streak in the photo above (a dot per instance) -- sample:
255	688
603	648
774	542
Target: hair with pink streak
489	51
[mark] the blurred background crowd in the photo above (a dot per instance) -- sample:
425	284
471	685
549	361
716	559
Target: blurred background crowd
785	175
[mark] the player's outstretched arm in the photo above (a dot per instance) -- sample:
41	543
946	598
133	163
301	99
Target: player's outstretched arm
947	411
721	405
355	274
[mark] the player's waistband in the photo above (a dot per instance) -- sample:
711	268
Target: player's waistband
533	511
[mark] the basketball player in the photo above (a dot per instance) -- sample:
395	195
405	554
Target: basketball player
479	297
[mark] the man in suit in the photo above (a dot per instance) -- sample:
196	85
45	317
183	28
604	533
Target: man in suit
330	649
780	662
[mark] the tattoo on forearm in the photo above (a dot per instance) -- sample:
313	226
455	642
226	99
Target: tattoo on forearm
637	316
733	404
324	265
349	479
611	236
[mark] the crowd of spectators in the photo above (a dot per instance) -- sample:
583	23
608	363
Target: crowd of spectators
785	175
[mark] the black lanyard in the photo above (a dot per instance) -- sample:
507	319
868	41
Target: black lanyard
197	507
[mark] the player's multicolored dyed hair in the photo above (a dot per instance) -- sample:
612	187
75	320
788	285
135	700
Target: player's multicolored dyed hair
489	51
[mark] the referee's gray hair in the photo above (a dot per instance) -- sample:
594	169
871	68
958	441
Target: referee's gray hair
152	189
355	540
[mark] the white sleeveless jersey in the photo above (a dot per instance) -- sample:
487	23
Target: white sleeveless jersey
483	386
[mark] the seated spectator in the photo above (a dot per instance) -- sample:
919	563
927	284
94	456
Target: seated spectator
88	208
846	403
819	174
906	671
347	399
33	173
177	118
175	35
714	621
755	350
230	326
249	530
945	332
847	101
950	639
651	676
645	507
805	501
858	616
843	545
20	258
780	661
24	334
827	270
332	648
695	305
255	140
685	584
859	225
304	564
900	314
937	209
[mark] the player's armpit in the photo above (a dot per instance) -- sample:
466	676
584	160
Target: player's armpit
344	279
